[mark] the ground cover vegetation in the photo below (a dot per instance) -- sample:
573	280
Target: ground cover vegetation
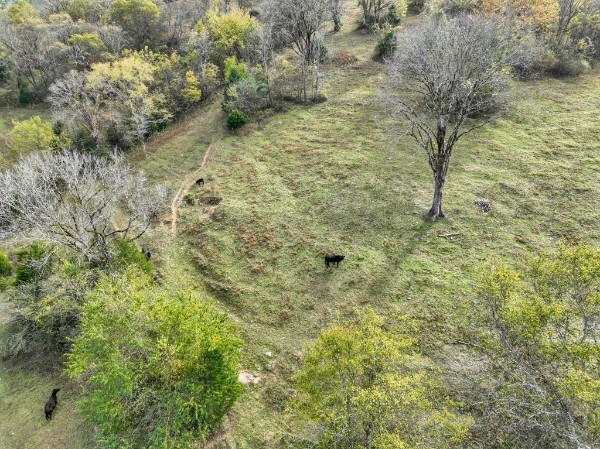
285	131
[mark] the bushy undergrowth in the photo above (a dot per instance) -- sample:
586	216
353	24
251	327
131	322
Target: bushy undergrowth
48	291
160	367
387	45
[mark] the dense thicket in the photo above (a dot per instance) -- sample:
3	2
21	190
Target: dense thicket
364	386
539	334
160	368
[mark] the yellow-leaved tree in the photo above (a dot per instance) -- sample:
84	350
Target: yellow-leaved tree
230	31
365	386
34	134
542	339
540	14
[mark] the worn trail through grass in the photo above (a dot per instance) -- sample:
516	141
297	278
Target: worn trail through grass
188	182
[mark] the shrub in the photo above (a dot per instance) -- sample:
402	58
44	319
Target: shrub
161	368
5	266
236	119
5	272
453	7
33	262
565	61
416	6
248	95
388	43
46	309
128	254
24	94
531	56
4	72
234	71
396	13
379	13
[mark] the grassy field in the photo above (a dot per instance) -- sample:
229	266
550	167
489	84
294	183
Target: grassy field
329	178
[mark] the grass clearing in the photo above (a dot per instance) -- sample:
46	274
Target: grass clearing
329	178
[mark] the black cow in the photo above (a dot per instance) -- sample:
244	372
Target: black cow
333	259
51	404
200	182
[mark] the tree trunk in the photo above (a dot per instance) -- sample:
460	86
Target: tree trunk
337	23
436	208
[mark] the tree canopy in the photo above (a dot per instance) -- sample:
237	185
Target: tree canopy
543	319
161	368
364	386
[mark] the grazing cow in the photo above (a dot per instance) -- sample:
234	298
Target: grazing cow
51	404
200	182
333	259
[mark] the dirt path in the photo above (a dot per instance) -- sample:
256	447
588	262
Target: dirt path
187	184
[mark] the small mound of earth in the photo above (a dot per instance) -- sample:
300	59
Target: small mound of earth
211	200
482	205
344	58
248	378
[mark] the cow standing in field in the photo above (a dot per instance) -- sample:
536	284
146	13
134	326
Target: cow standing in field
333	259
51	404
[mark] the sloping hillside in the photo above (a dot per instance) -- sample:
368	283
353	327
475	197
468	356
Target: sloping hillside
330	178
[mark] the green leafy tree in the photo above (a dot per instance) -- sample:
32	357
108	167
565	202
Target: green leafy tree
49	291
543	341
234	70
230	31
46	302
191	91
34	134
139	19
363	386
161	369
86	48
33	262
85	10
22	13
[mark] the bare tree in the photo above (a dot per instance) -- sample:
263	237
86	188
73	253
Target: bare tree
337	12
299	24
200	47
179	17
77	201
81	106
113	38
373	11
449	79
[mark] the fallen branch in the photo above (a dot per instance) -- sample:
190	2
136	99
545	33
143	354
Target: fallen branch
449	236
